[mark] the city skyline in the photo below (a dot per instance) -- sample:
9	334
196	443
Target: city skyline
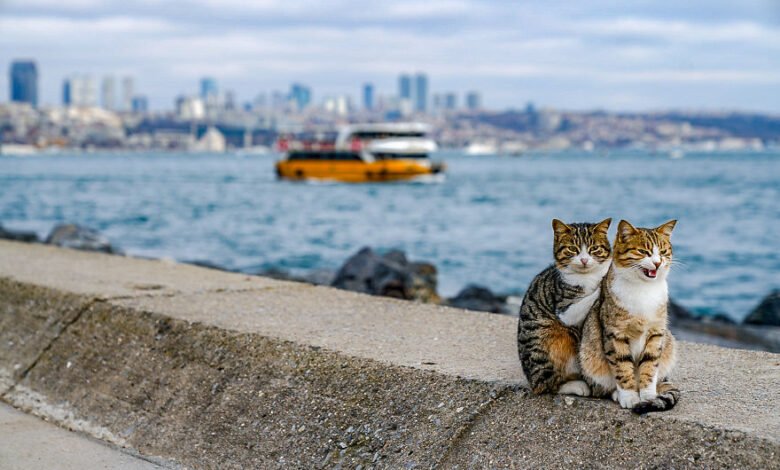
650	55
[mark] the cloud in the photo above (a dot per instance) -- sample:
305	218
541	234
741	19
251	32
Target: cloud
505	48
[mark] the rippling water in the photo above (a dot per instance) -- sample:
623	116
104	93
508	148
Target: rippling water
488	222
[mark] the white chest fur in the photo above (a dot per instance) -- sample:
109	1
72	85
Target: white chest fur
575	314
639	297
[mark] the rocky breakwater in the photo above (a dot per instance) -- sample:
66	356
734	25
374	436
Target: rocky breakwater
72	236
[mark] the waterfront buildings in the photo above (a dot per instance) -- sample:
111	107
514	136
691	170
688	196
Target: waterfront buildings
24	82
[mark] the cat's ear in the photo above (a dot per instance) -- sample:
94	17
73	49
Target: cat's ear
602	227
625	230
666	229
560	228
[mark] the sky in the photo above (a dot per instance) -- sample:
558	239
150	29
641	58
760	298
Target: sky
573	55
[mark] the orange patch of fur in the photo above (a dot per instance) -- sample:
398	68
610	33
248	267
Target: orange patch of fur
561	344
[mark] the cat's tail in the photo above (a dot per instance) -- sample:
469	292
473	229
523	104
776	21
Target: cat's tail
668	395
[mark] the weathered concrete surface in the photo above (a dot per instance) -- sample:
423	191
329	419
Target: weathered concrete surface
215	371
104	276
27	442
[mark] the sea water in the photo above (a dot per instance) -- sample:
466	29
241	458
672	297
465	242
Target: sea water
487	222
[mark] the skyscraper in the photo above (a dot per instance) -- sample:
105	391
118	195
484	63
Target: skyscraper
450	100
368	96
421	92
405	87
473	100
128	91
140	104
108	93
208	88
24	82
301	95
79	91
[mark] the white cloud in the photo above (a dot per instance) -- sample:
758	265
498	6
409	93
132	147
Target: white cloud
681	31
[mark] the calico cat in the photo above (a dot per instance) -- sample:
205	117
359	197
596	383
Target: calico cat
626	346
555	305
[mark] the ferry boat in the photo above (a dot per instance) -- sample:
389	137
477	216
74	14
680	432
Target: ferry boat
362	153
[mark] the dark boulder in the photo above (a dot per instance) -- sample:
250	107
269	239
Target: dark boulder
474	297
79	238
767	312
677	312
20	236
390	275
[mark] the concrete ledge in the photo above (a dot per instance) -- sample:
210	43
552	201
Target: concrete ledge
218	370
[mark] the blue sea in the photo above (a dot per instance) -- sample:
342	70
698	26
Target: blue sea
487	222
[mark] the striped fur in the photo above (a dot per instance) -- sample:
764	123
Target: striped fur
548	332
627	350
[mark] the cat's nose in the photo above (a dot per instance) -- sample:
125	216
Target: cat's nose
584	262
657	264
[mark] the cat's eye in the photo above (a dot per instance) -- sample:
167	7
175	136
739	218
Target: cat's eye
573	249
644	252
664	252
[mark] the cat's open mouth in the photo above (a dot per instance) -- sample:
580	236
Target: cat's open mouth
651	273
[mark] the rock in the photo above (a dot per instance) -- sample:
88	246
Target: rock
474	297
30	237
319	277
677	312
767	312
390	275
79	238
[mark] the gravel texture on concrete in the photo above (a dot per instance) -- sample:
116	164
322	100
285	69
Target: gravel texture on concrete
218	370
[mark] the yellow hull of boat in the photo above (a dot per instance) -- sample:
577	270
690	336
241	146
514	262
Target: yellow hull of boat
356	171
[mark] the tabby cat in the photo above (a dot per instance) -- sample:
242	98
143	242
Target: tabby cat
626	346
556	304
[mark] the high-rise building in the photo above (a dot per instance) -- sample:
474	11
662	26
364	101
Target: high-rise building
66	92
473	100
405	87
279	100
208	88
128	91
301	95
140	104
368	96
230	100
450	100
24	82
108	93
421	92
79	91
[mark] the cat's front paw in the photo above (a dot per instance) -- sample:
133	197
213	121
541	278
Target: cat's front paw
627	398
648	394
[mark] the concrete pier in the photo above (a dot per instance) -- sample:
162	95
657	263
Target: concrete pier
207	369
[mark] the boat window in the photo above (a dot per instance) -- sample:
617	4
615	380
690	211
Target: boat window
324	156
367	135
389	156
